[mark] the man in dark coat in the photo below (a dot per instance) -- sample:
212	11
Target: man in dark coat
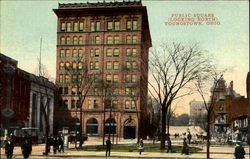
60	142
239	151
26	147
185	149
169	148
189	138
9	146
108	146
55	144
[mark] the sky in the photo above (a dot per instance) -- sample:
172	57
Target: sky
24	23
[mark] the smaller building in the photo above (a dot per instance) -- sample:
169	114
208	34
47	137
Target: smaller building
25	98
197	113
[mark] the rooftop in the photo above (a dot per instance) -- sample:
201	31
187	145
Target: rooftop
103	4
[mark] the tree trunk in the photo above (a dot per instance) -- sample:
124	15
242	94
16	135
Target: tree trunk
81	139
163	128
208	136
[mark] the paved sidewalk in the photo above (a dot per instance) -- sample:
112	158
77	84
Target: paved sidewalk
221	152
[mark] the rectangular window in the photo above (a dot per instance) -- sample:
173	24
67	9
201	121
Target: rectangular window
109	40
134	39
98	26
96	92
89	104
117	40
66	90
75	41
92	26
95	106
63	26
109	78
75	26
134	66
68	27
109	53
74	65
96	65
128	39
109	65
133	92
97	52
134	78
127	104
80	40
116	52
66	79
97	40
117	26
74	89
91	65
135	25
127	91
128	52
80	53
129	25
116	65
110	26
128	65
81	26
127	78
116	77
61	78
134	52
92	53
133	105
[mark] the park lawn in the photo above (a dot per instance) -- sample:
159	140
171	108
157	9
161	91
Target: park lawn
134	148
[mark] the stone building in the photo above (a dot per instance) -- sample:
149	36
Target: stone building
110	40
197	113
21	95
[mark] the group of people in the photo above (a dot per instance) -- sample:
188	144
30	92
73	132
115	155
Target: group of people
26	147
57	143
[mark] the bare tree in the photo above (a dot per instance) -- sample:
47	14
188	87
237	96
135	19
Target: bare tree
172	68
201	84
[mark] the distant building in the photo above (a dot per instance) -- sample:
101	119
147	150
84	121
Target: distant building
21	96
111	40
230	112
197	113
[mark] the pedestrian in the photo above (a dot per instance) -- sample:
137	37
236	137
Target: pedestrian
108	146
239	151
26	147
189	137
141	146
60	142
55	145
169	148
185	149
9	146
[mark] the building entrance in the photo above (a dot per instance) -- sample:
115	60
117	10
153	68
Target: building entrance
129	132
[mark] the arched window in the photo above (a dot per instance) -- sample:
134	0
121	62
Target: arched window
62	52
80	53
62	40
110	126
92	127
61	66
75	40
68	40
79	65
80	40
109	40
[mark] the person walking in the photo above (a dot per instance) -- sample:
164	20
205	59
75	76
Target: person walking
169	148
189	136
26	147
239	151
141	146
55	145
9	147
185	149
108	146
60	142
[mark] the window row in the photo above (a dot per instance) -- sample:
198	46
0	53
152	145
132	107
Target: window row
130	39
68	27
70	66
75	53
68	41
66	79
113	52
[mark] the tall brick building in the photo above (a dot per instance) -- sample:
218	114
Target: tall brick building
110	40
